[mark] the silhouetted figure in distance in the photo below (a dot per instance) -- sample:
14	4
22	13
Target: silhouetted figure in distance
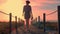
27	11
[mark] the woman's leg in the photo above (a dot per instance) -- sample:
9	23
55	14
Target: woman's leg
27	23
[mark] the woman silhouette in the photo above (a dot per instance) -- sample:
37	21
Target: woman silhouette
27	11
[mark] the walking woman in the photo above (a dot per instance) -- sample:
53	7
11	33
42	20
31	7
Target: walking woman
27	11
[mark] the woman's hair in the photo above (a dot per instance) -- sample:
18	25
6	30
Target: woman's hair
27	1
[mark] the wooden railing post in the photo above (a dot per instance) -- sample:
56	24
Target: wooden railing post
19	20
10	22
16	24
44	20
39	21
38	18
59	18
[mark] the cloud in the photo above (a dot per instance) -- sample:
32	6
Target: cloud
45	4
49	6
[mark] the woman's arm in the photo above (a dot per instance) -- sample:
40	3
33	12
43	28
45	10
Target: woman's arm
31	13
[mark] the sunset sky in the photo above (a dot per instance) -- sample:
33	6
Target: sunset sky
38	8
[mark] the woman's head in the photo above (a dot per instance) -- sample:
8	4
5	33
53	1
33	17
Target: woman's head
27	2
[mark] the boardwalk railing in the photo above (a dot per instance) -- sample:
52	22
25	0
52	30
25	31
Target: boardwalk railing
44	18
10	21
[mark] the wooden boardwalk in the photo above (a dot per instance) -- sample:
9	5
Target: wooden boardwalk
32	30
